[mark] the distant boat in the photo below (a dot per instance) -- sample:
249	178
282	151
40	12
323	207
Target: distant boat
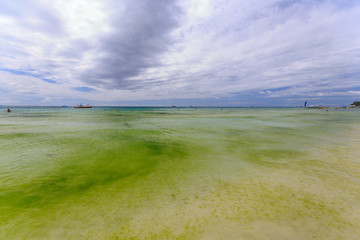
317	107
82	106
313	106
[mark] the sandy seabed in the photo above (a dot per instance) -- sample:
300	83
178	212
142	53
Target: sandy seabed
179	174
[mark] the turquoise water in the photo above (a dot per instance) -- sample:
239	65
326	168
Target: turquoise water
164	173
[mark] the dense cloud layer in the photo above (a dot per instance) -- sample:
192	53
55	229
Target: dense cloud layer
111	51
139	35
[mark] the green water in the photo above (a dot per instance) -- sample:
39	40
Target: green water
179	174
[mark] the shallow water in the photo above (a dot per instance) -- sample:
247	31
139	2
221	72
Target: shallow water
165	173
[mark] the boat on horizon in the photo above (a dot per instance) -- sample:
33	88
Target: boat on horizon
83	106
314	106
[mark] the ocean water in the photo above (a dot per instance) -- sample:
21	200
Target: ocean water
168	173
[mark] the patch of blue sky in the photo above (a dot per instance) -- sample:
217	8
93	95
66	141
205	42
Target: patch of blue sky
290	3
28	72
353	89
48	80
21	72
349	75
341	90
277	89
286	3
84	89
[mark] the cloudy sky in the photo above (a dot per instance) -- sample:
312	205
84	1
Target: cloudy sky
168	52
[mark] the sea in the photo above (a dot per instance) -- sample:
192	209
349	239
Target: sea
179	173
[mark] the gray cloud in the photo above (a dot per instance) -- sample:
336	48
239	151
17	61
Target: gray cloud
75	49
140	34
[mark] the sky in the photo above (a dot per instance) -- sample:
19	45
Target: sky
185	52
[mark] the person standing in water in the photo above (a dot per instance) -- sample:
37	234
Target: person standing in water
8	110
